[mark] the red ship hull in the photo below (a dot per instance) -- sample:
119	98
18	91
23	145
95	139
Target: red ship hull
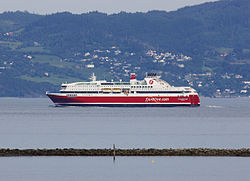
191	100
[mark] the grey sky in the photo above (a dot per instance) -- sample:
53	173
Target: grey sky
83	6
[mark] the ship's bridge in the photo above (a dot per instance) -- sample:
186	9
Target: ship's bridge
155	81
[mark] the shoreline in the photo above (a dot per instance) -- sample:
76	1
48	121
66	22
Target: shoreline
243	152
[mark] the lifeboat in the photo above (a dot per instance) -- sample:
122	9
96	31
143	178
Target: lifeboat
116	90
106	90
125	91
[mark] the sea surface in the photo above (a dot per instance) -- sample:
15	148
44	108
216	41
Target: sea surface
37	123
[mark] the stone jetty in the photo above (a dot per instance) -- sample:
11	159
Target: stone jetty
126	152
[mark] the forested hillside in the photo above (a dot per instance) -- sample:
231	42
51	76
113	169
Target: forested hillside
205	46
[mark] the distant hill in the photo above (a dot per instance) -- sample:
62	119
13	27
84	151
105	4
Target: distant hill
205	46
218	24
13	21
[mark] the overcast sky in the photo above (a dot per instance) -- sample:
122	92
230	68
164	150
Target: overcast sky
83	6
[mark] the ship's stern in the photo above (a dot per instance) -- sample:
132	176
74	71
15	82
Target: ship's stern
194	100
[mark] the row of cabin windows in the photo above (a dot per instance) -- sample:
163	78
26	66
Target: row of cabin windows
111	86
76	90
64	87
115	83
138	92
163	92
147	87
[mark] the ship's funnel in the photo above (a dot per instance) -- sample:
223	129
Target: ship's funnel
132	76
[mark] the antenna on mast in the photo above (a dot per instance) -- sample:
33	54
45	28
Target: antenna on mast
93	77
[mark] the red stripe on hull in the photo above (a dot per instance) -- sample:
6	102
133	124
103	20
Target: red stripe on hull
191	100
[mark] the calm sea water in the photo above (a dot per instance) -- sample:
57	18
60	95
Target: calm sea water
37	123
124	169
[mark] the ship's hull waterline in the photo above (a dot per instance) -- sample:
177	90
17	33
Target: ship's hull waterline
124	101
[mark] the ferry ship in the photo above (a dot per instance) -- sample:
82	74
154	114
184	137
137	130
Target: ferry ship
152	91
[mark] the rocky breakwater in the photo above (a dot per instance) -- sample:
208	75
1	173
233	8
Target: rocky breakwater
126	152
